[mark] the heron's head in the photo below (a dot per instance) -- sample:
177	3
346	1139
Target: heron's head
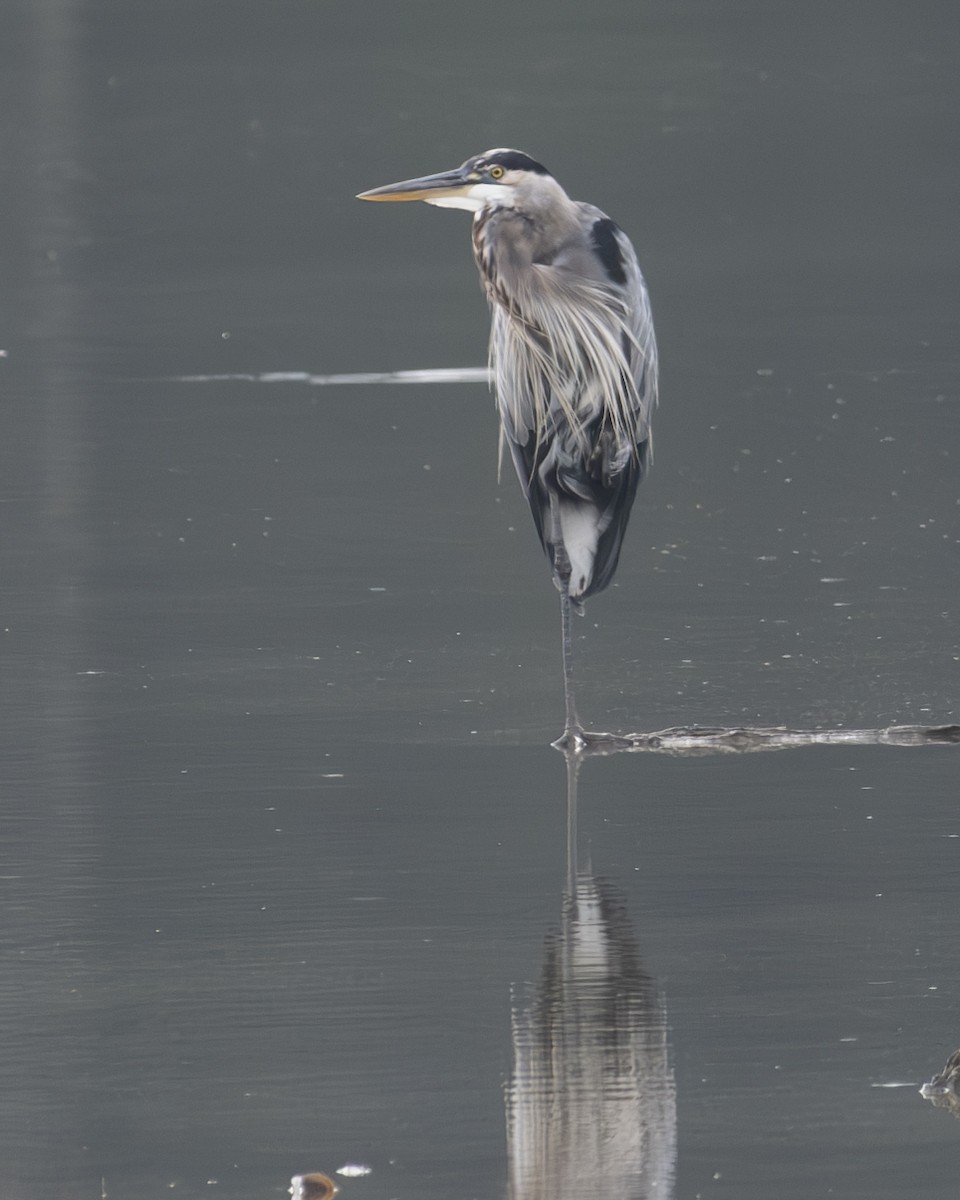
504	178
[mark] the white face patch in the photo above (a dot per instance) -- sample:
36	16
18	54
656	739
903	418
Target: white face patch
442	201
475	197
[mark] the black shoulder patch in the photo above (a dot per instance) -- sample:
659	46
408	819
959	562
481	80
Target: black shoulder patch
604	234
516	160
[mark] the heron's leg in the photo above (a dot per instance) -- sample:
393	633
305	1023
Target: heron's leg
573	730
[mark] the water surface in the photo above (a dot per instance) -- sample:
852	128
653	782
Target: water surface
286	866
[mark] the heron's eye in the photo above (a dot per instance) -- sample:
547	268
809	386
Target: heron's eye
497	172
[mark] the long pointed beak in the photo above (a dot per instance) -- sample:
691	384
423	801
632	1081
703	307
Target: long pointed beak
427	187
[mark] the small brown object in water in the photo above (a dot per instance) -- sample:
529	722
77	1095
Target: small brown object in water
315	1186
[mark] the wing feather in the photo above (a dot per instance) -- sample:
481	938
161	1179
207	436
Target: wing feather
574	363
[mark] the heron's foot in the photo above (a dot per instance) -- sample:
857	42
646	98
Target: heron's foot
572	741
588	741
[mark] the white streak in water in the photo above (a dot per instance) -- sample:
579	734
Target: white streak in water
429	375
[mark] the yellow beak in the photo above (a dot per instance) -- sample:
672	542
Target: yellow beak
427	187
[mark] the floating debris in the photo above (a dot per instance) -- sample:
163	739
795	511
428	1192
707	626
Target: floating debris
697	739
315	1186
942	1091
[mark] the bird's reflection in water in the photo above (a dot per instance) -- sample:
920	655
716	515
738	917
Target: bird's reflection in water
591	1107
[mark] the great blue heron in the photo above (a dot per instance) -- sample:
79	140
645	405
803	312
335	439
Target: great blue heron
573	358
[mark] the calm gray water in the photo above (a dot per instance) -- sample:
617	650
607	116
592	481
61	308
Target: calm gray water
289	876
